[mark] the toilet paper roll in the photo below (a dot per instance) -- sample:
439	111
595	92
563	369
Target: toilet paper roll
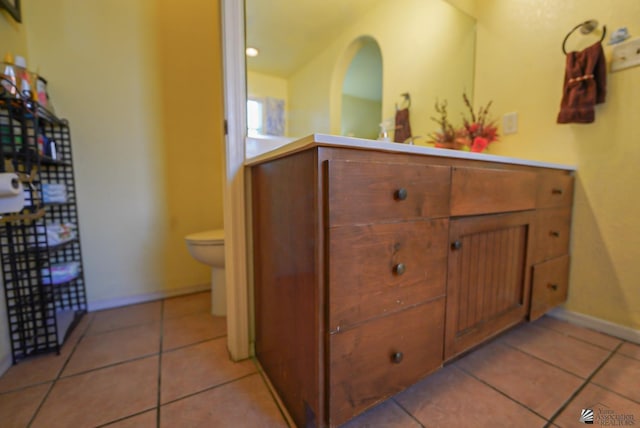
9	184
11	193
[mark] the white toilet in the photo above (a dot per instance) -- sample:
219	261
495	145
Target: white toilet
208	248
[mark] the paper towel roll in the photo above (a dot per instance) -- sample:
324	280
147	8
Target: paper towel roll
11	193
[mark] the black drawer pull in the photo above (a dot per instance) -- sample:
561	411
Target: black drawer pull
555	233
401	194
554	287
557	191
399	269
456	245
397	357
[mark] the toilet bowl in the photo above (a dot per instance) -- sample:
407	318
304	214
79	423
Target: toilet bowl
208	248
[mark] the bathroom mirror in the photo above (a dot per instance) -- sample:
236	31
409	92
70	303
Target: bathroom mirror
306	48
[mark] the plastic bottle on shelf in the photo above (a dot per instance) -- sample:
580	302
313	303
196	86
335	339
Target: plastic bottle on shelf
23	77
9	75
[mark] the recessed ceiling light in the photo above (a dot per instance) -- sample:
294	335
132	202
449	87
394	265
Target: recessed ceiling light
252	52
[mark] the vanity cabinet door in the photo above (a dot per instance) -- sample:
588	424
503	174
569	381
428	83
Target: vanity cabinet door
488	276
379	269
373	192
371	362
550	285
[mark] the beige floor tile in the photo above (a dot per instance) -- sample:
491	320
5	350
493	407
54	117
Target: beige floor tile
622	375
630	350
101	396
387	414
245	402
126	316
451	398
572	355
42	368
143	420
191	329
604	405
32	371
115	346
17	408
187	305
585	334
534	383
195	368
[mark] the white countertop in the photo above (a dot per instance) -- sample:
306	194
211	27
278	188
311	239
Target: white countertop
325	140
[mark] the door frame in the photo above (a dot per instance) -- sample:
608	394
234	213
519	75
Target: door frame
234	193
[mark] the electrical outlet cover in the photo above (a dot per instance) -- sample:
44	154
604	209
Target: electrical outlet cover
626	54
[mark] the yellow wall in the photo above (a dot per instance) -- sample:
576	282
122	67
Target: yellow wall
140	83
13	39
520	67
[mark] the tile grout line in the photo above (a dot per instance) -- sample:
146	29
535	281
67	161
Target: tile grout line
544	418
564	333
209	388
59	374
508	345
583	386
159	384
407	412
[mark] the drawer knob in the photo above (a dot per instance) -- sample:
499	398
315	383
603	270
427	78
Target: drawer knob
555	233
399	269
556	191
456	245
553	287
401	194
397	357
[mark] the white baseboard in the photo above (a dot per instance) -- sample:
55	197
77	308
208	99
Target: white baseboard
143	298
603	326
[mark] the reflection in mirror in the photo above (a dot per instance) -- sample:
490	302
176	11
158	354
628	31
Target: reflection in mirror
362	92
426	48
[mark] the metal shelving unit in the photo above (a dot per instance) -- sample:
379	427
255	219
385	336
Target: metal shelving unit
42	307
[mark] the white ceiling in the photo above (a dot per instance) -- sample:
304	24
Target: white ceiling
289	33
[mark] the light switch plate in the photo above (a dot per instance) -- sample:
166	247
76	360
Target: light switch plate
626	54
510	123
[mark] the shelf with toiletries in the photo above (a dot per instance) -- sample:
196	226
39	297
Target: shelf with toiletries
40	246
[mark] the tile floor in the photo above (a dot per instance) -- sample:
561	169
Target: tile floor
165	364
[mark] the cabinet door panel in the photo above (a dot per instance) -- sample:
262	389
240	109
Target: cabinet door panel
488	276
483	190
379	269
553	226
379	358
370	192
550	285
554	190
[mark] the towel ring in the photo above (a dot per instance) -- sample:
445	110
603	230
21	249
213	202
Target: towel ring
585	28
406	100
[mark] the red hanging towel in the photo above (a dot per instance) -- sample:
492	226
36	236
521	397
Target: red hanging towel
585	85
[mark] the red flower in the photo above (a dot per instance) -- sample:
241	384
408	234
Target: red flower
479	144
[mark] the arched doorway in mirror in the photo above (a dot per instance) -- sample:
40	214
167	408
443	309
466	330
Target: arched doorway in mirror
361	89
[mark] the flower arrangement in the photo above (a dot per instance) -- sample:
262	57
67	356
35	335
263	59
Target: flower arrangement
476	133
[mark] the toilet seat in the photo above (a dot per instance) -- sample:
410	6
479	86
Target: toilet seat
208	237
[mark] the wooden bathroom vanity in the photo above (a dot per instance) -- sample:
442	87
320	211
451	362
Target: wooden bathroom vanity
376	263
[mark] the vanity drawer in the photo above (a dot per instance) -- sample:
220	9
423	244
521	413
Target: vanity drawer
550	285
552	233
379	269
370	192
382	357
554	190
484	190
